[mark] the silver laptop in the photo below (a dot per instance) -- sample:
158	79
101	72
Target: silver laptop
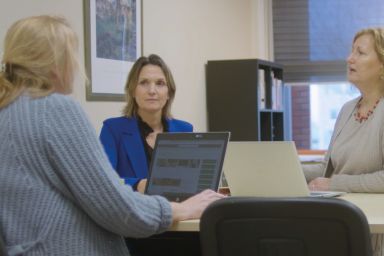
184	164
266	169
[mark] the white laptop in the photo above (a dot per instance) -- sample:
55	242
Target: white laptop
266	169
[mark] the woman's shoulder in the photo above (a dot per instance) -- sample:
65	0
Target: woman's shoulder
63	115
350	105
178	121
61	102
121	124
52	104
120	120
180	125
352	102
63	106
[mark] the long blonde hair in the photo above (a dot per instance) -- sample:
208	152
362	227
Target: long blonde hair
40	57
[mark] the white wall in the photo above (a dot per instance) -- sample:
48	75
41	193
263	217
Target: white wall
185	33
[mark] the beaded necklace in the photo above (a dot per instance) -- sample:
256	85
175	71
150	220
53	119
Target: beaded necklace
360	117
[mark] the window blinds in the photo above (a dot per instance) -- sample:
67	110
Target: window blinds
312	38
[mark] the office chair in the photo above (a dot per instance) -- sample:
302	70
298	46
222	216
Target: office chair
3	251
242	226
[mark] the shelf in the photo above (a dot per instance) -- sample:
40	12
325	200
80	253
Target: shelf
245	97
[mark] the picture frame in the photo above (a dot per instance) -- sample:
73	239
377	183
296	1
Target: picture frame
113	42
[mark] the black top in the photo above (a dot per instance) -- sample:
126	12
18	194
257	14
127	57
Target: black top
145	130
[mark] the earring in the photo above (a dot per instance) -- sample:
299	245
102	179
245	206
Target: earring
2	68
382	72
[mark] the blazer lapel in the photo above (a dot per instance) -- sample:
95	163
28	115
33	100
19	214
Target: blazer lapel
134	148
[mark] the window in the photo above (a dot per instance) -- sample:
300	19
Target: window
312	39
315	108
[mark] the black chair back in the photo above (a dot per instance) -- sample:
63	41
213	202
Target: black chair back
241	226
3	251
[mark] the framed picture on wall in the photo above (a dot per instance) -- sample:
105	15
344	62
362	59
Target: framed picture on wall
113	42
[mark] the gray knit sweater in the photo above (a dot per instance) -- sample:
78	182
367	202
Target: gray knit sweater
58	192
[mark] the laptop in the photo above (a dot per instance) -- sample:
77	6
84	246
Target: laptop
183	164
267	169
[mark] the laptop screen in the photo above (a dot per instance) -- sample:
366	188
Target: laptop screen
184	164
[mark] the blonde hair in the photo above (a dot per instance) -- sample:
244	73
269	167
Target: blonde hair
40	57
378	38
131	108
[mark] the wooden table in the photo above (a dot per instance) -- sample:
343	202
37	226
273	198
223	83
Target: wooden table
371	204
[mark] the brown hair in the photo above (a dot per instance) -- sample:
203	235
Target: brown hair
40	57
131	108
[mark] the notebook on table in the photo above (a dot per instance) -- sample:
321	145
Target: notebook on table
183	164
267	169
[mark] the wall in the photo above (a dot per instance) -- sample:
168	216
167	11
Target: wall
301	116
186	33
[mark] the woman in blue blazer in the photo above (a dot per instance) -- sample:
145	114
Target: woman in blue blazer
129	140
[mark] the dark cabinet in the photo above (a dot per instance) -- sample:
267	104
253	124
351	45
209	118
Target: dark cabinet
245	97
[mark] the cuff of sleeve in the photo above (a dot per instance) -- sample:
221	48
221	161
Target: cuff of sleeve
166	214
343	183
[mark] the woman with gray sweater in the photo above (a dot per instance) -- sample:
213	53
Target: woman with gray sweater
59	195
355	158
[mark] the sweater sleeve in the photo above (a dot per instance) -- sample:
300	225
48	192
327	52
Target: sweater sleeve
79	160
362	183
312	171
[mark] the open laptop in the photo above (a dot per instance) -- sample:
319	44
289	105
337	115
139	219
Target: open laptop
183	164
266	169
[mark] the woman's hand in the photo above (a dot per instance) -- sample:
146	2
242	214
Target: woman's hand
193	207
141	185
319	184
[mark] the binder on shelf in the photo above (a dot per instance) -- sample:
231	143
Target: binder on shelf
273	91
277	92
262	89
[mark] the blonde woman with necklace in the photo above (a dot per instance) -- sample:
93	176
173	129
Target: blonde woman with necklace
355	157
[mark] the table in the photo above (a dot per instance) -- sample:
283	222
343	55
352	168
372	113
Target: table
371	204
373	207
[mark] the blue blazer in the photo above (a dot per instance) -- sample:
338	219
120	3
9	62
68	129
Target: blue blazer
122	142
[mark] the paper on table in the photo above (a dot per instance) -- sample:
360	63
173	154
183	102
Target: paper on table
311	158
